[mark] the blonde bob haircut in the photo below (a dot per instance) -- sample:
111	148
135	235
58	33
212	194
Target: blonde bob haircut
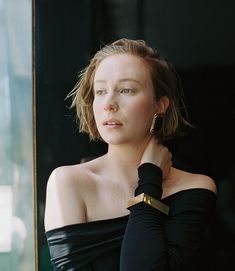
165	81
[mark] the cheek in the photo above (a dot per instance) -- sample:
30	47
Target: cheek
98	106
142	111
140	118
96	111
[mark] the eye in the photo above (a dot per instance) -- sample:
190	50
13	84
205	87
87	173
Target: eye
99	92
126	90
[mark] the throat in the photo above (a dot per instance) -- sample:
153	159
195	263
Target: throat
124	157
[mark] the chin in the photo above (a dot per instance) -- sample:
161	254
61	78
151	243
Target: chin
115	140
121	138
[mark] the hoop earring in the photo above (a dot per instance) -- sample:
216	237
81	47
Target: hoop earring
154	121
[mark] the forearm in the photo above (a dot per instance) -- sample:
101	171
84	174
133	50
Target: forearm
144	243
154	241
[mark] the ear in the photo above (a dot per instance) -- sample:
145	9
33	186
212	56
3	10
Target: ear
162	105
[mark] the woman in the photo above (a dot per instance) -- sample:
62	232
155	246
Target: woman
120	98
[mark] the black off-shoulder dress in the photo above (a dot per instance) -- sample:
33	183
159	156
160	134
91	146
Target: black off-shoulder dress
145	240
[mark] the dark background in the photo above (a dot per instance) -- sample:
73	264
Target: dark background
196	36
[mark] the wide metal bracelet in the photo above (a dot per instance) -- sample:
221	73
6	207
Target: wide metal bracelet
149	201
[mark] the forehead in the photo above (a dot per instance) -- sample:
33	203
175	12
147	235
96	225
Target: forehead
122	66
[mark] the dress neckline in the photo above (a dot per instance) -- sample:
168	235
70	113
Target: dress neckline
125	217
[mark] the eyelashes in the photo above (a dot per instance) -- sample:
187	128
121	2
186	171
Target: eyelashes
100	92
127	90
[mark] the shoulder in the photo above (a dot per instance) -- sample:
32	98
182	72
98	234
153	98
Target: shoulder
193	180
64	176
181	180
65	179
74	177
64	196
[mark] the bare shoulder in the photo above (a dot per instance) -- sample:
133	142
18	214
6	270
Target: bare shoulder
182	180
64	197
193	180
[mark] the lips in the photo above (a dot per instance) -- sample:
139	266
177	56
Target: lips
112	122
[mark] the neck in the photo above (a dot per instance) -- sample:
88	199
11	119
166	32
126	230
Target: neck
125	159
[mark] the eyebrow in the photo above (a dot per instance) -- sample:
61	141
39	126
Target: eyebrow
121	80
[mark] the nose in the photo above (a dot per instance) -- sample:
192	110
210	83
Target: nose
111	105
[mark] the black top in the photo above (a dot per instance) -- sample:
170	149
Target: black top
145	240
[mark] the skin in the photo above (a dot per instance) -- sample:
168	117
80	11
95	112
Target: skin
123	107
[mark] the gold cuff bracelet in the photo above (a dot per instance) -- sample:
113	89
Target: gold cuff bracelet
149	201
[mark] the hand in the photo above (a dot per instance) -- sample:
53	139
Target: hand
157	154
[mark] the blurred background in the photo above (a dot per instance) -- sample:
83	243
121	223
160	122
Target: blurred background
16	139
197	37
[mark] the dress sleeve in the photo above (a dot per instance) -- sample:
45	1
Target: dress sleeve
154	241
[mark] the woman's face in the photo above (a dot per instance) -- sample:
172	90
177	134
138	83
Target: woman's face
124	102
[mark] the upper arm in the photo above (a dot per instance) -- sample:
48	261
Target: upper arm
64	202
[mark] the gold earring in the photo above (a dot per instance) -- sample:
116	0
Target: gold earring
153	123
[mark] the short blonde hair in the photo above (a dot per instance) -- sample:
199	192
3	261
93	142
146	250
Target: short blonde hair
165	80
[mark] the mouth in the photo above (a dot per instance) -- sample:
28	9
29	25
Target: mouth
112	123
